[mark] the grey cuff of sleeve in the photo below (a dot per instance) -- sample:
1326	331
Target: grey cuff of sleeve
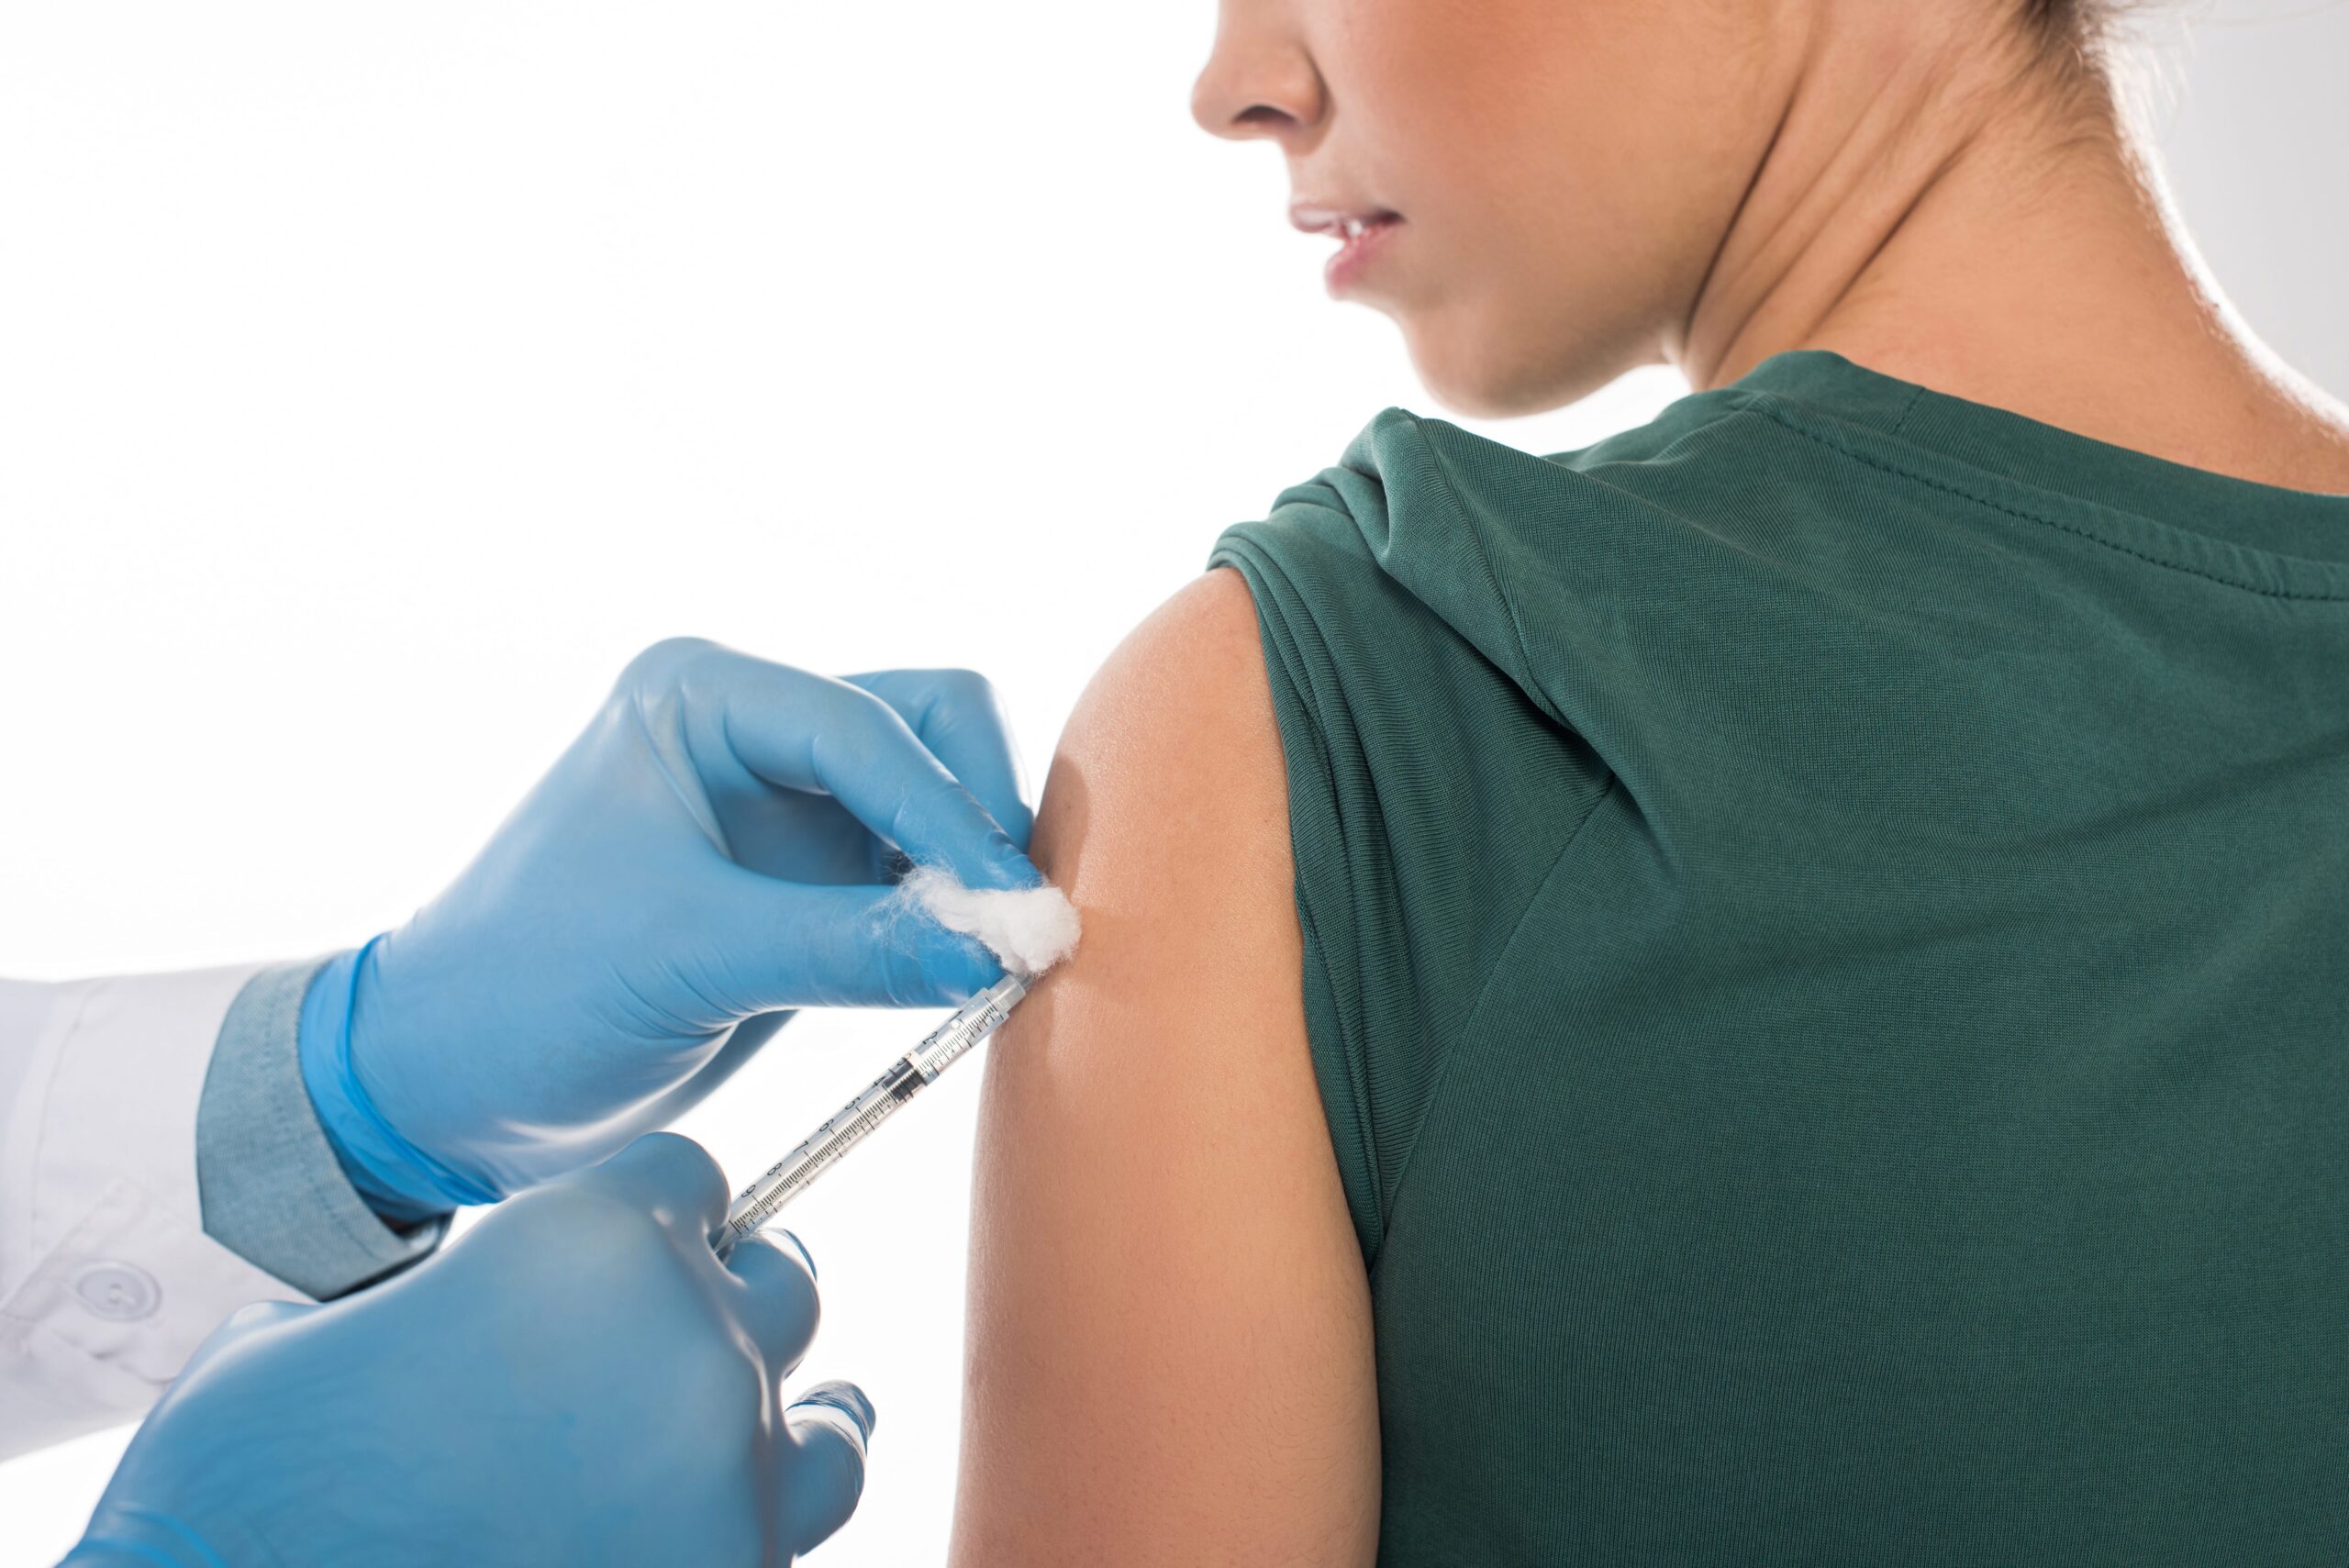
270	1187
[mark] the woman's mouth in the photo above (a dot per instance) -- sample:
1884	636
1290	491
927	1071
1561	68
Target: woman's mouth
1364	242
1363	233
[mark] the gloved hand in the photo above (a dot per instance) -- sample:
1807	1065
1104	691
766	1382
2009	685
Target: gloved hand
717	847
577	1380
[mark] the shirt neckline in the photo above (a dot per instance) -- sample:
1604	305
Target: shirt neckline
2264	520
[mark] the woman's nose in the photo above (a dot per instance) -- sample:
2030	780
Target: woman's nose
1256	84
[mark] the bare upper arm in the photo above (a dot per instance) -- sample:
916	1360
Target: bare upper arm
1169	1357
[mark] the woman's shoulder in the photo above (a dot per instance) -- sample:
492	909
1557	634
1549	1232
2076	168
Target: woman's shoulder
1404	477
1424	533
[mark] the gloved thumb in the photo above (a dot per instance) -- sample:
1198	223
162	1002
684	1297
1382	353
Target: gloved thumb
787	944
825	1434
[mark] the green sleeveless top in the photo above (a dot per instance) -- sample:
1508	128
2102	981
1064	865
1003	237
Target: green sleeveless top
1827	960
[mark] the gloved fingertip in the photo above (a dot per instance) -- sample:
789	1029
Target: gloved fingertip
941	968
822	1476
967	973
805	1255
1019	824
839	1398
1011	861
779	1306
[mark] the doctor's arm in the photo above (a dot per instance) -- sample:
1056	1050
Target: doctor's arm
1169	1356
711	853
147	1125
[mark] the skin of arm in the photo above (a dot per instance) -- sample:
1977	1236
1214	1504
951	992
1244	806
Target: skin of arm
1169	1356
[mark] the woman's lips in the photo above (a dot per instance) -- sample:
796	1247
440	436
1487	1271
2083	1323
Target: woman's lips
1364	229
1364	241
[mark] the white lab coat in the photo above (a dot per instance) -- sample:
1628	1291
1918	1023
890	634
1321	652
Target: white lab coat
107	1279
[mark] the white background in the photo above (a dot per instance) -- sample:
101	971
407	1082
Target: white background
374	381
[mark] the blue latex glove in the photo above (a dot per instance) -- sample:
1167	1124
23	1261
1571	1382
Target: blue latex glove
717	846
578	1380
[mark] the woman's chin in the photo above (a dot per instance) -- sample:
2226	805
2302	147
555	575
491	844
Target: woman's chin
1488	369
1471	377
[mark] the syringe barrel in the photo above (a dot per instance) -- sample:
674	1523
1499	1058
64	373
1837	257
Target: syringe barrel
978	1019
907	1078
790	1176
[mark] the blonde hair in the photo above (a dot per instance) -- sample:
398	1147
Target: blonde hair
2072	32
2077	47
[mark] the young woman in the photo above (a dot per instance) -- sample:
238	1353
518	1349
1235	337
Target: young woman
1772	990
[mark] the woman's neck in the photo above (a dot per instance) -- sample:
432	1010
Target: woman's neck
1951	220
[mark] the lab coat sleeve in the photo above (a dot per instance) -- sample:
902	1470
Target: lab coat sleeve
273	1190
109	1277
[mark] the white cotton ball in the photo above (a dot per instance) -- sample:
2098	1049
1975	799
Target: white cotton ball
1029	929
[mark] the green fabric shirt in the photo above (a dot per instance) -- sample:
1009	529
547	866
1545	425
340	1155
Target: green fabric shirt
1827	959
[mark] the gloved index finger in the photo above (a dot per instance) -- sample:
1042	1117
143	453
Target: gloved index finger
807	731
776	1304
955	715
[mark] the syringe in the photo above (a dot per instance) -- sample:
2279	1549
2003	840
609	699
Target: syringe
907	1076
